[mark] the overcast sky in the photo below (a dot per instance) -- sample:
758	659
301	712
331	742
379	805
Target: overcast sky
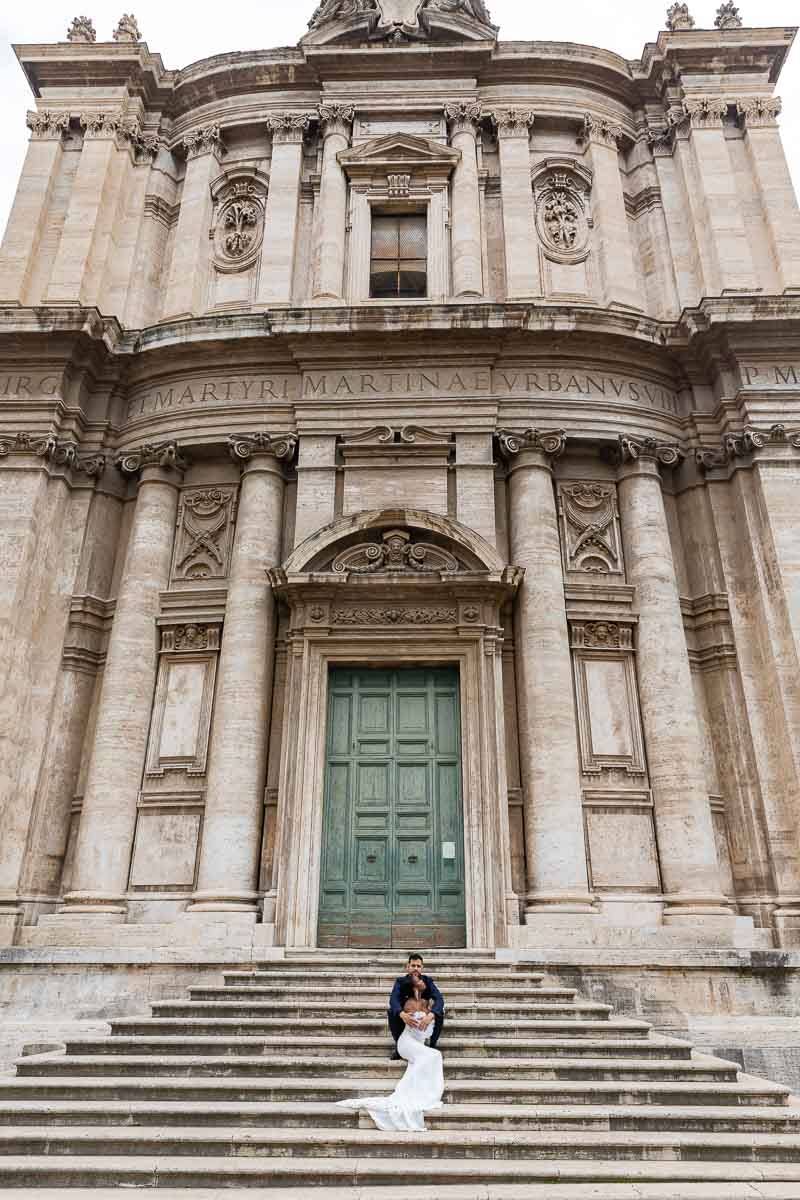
184	32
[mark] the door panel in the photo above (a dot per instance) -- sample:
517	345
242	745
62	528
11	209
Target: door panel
393	856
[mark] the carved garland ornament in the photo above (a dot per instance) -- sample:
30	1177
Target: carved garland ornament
394	553
394	616
589	526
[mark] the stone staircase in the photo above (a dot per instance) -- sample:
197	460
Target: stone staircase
547	1095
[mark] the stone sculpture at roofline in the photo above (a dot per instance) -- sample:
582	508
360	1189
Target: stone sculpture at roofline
679	18
81	30
728	17
398	15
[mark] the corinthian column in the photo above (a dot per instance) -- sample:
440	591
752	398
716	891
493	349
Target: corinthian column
108	818
188	276
464	120
687	851
283	206
522	260
228	872
557	880
335	124
612	231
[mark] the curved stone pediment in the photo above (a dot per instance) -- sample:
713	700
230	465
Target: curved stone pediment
399	20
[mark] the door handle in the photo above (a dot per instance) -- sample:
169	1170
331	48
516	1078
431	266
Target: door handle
372	858
412	858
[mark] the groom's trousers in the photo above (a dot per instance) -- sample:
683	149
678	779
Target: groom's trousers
396	1027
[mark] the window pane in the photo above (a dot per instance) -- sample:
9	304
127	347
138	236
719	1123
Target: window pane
413	237
413	282
385	237
383	283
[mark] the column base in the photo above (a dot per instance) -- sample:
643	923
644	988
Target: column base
102	907
11	919
224	902
786	924
539	904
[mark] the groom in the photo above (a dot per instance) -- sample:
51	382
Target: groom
404	987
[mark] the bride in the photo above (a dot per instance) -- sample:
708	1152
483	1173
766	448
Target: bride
420	1090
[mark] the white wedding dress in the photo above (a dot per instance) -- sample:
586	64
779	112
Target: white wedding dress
419	1091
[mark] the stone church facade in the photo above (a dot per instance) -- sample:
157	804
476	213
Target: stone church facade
399	492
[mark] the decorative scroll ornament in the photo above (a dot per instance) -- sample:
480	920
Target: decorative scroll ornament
513	122
47	446
600	130
408	435
289	127
728	17
589	527
206	140
81	30
759	110
394	553
562	217
152	454
740	445
394	616
463	116
47	124
551	442
190	637
127	29
679	18
667	454
205	529
243	446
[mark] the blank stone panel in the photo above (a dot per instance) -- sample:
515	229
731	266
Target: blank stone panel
622	849
412	487
182	709
165	850
609	709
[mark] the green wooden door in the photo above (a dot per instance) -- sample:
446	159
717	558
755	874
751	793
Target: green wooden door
393	840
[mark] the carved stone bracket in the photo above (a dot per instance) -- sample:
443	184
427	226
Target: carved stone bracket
205	140
82	30
152	454
336	118
243	446
666	454
600	130
47	124
289	127
463	116
513	122
728	17
189	638
551	442
759	111
679	18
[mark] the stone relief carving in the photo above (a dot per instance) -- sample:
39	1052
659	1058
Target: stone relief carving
82	30
563	218
152	454
47	124
552	442
679	18
394	616
728	17
206	140
243	446
205	533
408	435
667	454
398	19
238	228
758	111
601	130
394	553
601	635
590	527
127	29
190	637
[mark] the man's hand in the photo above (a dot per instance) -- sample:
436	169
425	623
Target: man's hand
427	1020
405	1018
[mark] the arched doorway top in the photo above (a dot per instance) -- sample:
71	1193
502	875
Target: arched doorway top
446	544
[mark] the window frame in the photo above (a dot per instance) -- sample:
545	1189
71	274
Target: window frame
408	210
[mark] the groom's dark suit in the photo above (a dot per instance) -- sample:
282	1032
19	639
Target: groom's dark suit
402	990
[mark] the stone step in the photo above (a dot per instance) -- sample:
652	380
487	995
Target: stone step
276	973
360	996
496	1014
722	1189
717	1119
496	1145
378	1044
317	1007
237	1086
229	1055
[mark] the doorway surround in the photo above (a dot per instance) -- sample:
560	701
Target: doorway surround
392	588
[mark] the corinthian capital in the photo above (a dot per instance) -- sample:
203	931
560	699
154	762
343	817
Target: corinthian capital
101	124
152	454
289	127
243	446
759	111
552	442
463	116
706	112
47	124
206	140
667	454
513	122
600	130
336	118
